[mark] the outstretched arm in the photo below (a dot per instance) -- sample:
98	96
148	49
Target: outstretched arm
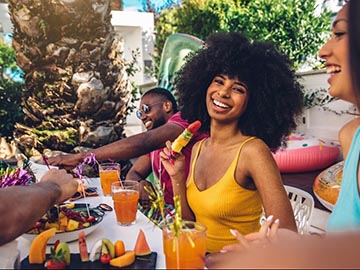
22	206
126	148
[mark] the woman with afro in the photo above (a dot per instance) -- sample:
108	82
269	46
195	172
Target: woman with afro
247	98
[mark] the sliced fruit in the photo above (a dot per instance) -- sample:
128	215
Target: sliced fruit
38	246
84	254
63	248
141	246
109	246
95	251
119	248
72	225
124	260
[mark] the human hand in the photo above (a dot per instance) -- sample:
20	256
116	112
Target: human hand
173	163
144	199
267	234
63	180
67	162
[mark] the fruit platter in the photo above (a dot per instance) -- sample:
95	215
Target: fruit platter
104	254
67	220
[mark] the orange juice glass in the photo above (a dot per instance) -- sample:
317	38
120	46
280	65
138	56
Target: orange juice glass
188	249
125	197
109	173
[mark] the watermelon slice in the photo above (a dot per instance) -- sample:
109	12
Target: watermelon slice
141	246
84	255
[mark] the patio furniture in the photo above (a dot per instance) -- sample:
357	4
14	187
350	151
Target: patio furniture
303	205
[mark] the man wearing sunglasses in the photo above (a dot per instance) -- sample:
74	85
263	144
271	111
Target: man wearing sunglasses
158	109
158	112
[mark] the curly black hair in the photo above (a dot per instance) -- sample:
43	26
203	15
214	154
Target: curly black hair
275	96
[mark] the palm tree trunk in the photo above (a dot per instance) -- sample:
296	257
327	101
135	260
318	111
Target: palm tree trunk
76	87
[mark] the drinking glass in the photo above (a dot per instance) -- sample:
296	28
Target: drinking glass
109	173
188	249
125	196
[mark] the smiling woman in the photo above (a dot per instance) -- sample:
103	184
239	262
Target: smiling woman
246	96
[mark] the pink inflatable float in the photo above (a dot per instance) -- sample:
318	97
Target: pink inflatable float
305	153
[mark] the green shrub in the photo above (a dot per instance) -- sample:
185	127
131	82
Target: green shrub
292	24
10	94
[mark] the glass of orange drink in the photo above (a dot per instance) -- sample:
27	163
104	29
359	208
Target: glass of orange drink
109	173
187	250
125	196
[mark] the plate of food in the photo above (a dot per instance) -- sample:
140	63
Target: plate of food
104	254
68	219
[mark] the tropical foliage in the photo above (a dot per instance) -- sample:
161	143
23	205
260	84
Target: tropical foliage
292	24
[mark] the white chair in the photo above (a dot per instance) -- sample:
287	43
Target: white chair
303	205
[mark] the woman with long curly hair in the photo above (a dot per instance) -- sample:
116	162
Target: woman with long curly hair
247	97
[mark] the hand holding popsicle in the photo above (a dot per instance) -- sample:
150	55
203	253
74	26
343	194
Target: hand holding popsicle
184	138
172	150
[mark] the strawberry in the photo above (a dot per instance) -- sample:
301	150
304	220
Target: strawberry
56	260
91	219
54	264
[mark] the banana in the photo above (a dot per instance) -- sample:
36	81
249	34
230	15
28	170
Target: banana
109	246
95	252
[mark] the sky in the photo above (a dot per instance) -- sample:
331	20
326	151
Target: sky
135	5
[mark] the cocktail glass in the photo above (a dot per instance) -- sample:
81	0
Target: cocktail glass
125	197
109	173
187	250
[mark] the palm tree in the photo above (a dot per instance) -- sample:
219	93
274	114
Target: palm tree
76	89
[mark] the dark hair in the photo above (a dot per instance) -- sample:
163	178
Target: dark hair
354	46
159	91
275	97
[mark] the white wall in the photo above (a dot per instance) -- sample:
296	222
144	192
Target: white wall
137	29
316	121
5	19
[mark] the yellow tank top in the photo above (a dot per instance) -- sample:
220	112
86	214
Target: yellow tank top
224	206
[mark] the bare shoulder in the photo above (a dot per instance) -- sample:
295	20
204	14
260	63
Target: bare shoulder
255	146
256	152
346	134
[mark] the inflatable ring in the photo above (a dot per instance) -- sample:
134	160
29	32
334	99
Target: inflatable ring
304	154
327	185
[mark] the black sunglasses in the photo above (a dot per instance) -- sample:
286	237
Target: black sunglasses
145	109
